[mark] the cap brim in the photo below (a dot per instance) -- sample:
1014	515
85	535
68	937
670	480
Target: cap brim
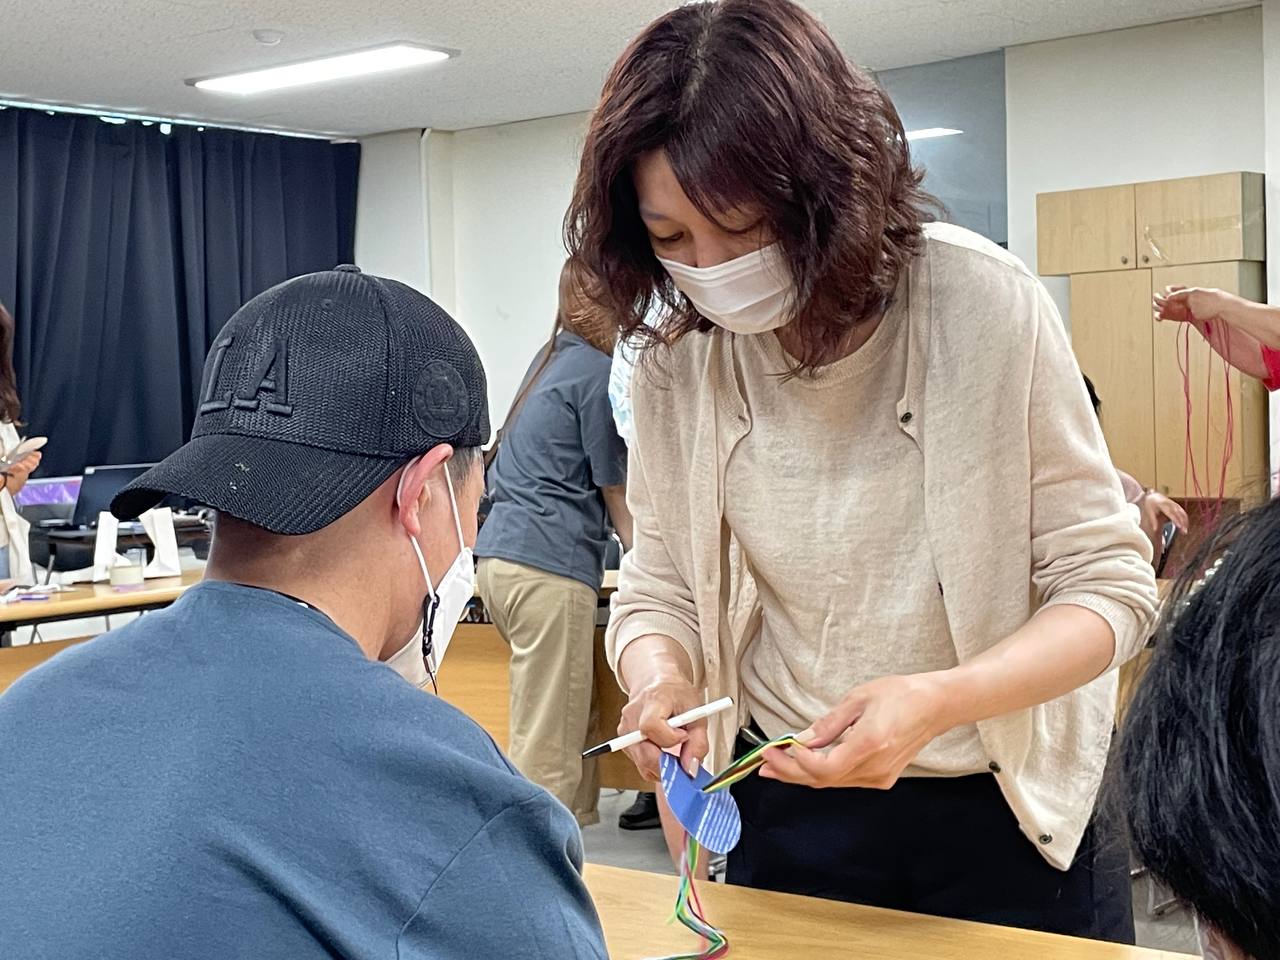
287	488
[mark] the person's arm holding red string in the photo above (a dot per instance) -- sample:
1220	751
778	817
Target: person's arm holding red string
1244	333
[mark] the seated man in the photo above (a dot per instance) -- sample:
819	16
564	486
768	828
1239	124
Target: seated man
249	773
1201	748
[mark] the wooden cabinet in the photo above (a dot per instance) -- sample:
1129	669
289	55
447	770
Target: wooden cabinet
1200	220
1192	220
1121	244
1083	231
1111	332
1206	376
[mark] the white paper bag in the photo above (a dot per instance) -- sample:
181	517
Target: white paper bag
104	548
158	524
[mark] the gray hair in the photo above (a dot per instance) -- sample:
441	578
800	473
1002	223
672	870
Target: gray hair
462	462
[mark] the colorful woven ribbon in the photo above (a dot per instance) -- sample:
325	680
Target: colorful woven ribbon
747	763
689	910
688	907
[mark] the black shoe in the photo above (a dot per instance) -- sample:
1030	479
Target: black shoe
641	815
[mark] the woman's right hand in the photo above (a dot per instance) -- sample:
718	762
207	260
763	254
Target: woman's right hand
656	671
648	711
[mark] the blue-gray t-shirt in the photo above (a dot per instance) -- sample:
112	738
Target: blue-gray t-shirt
546	510
233	778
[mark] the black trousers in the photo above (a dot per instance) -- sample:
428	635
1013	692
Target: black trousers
949	847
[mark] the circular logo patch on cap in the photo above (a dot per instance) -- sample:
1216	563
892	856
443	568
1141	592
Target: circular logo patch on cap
440	400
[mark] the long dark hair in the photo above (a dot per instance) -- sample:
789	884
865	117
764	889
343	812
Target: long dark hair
10	406
1200	754
1093	396
755	107
579	311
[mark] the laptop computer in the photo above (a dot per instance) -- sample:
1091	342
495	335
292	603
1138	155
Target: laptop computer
48	500
77	501
98	487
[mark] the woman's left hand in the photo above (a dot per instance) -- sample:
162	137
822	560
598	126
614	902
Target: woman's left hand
1156	508
878	729
17	474
1224	321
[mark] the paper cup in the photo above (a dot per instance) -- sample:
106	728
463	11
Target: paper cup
126	576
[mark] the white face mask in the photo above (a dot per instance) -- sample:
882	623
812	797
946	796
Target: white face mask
749	294
419	659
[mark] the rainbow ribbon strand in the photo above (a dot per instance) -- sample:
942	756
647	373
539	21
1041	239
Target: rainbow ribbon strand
747	763
689	910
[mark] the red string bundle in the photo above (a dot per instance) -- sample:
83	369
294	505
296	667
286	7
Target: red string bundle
1189	469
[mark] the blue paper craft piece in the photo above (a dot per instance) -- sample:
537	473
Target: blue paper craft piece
711	818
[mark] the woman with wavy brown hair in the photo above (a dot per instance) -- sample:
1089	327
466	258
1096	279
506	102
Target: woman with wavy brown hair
871	500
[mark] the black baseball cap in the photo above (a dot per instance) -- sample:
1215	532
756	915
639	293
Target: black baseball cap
313	394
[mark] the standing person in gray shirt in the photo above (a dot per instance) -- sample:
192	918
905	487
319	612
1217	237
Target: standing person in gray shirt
557	481
255	772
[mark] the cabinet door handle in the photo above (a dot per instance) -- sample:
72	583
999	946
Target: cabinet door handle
1124	259
1145	258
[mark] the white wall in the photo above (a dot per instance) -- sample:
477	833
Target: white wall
391	229
1172	100
439	191
473	218
511	187
965	172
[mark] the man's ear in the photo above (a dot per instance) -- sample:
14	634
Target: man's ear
415	491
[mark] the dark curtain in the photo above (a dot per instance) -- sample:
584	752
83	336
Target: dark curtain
123	250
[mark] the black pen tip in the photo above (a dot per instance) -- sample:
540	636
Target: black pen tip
595	751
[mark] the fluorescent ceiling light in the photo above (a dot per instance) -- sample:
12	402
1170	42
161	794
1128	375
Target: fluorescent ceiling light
340	66
930	133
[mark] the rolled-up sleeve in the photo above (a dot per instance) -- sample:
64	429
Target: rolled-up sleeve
1087	548
1272	359
653	596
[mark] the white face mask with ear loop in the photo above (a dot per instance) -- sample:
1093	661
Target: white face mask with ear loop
749	294
419	660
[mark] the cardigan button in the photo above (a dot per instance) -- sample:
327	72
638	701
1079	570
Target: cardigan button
1046	839
993	767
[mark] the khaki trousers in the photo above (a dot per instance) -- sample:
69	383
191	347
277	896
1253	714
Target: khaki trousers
549	622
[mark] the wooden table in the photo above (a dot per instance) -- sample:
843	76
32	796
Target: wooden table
634	907
99	599
610	585
96	600
15	661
